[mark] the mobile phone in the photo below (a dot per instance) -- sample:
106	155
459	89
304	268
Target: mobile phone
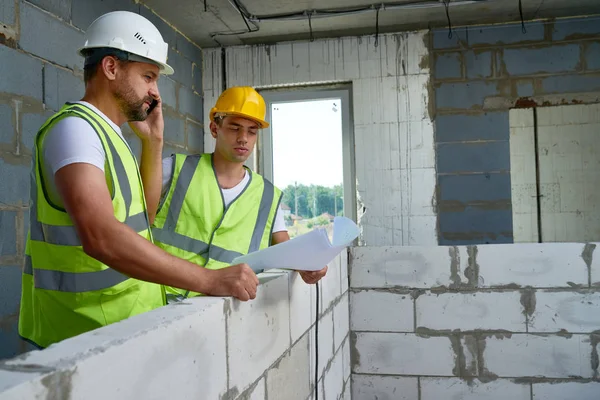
152	106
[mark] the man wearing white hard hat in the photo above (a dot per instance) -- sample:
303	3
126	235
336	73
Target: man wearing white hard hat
90	260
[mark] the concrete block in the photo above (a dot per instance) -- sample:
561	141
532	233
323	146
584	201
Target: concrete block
378	100
525	355
470	95
571	84
195	136
572	29
10	343
455	388
473	157
61	86
197	77
174	349
267	318
373	310
347	391
592	56
259	392
544	60
422	230
7	12
413	267
60	41
182	67
168	34
344	268
341	322
7	121
174	128
384	387
566	391
60	8
471	311
505	34
525	89
416	53
573	312
478	64
442	41
475	226
30	125
458	128
543	265
190	103
85	12
325	345
188	49
448	65
333	381
347	360
21	74
302	306
14	185
289	377
10	296
402	354
330	284
8	244
168	91
475	189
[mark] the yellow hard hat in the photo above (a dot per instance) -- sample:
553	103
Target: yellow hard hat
241	101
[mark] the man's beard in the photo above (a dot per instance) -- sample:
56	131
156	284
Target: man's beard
131	107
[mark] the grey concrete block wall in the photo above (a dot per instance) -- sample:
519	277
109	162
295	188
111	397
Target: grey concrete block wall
477	76
40	71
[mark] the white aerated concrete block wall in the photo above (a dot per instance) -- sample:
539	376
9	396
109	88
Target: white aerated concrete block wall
515	321
205	348
394	147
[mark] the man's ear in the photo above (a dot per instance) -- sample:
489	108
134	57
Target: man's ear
213	129
109	66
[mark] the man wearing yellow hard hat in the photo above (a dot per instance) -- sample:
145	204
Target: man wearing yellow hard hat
213	208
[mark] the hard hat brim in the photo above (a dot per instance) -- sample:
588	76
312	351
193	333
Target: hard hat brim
261	123
165	69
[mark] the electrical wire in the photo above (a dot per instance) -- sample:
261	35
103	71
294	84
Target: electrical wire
377	27
317	345
447	7
522	19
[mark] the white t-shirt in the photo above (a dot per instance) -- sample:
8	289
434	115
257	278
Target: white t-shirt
72	140
228	194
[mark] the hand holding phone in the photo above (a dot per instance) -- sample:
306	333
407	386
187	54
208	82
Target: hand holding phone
152	128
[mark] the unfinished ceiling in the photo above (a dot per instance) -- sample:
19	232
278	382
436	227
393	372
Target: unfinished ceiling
214	23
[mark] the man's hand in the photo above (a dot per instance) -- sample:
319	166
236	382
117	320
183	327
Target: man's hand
238	281
152	129
312	277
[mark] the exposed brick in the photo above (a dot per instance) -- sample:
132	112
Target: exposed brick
576	28
14	185
448	65
8	233
60	8
21	74
566	390
60	41
459	128
175	129
182	67
10	295
573	312
571	83
395	312
539	265
85	12
7	12
402	354
473	157
544	60
384	387
8	130
525	89
197	76
456	388
471	311
168	91
592	56
464	95
474	189
169	35
442	41
525	355
505	34
30	125
190	103
61	86
475	226
189	49
478	65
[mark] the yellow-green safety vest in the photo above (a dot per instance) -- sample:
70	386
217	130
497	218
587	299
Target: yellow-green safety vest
194	224
64	291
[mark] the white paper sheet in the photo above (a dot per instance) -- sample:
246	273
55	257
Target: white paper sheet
309	252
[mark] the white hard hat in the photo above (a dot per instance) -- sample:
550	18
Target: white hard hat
131	33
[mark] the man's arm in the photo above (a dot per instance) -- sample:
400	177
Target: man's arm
87	200
309	277
151	172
